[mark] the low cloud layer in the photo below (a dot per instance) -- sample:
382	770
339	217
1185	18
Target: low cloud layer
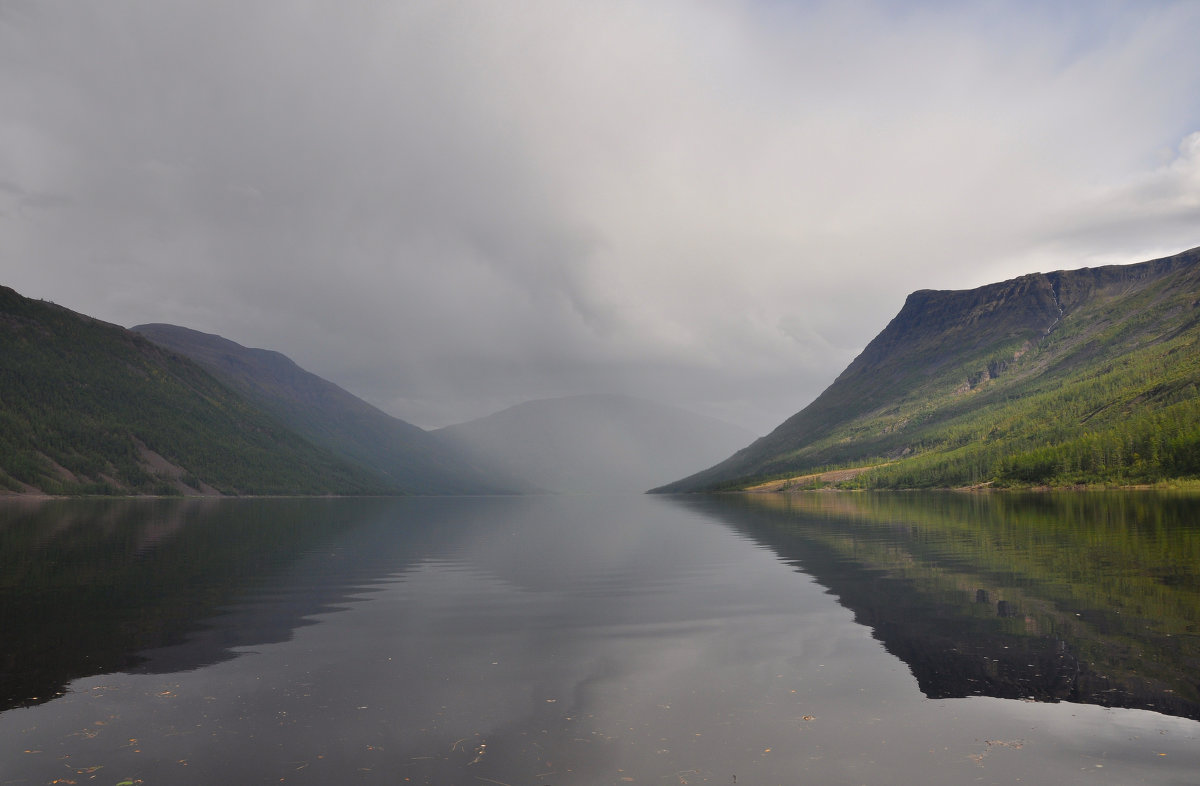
448	208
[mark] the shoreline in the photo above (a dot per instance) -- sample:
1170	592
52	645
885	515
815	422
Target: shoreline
1185	484
827	481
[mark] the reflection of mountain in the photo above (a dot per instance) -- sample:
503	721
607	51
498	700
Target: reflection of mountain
88	586
1092	599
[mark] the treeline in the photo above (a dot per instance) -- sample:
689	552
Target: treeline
1134	421
1149	448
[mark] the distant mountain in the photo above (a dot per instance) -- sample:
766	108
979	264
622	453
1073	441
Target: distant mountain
411	459
1084	376
596	443
87	407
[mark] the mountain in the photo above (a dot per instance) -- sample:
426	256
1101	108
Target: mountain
87	407
597	442
411	459
1082	376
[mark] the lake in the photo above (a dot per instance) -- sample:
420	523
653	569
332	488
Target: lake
751	640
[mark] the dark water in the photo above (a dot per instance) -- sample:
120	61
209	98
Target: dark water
824	639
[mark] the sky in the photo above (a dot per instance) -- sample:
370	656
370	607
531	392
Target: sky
448	208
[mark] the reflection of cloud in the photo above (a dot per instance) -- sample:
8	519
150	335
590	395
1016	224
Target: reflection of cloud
475	649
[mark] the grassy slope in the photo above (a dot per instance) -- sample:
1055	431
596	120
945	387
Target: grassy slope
81	401
992	385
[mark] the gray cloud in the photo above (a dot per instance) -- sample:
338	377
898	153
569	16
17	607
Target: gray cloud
451	207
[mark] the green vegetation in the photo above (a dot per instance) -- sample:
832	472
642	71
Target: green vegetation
1090	377
1138	422
90	408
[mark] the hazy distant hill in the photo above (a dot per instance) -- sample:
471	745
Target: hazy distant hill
91	408
597	443
1080	376
413	460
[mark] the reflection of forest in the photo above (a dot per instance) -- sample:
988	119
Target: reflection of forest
1087	597
94	586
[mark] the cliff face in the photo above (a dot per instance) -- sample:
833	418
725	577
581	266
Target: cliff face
945	344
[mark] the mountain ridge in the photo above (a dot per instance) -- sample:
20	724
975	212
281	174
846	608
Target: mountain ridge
413	460
88	407
947	344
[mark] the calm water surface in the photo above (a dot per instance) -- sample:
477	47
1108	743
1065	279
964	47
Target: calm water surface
823	639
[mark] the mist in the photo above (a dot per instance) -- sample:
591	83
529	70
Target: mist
450	208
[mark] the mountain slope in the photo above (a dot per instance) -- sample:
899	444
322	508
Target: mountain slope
89	407
597	443
412	460
1076	376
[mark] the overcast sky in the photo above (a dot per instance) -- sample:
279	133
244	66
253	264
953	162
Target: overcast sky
451	207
